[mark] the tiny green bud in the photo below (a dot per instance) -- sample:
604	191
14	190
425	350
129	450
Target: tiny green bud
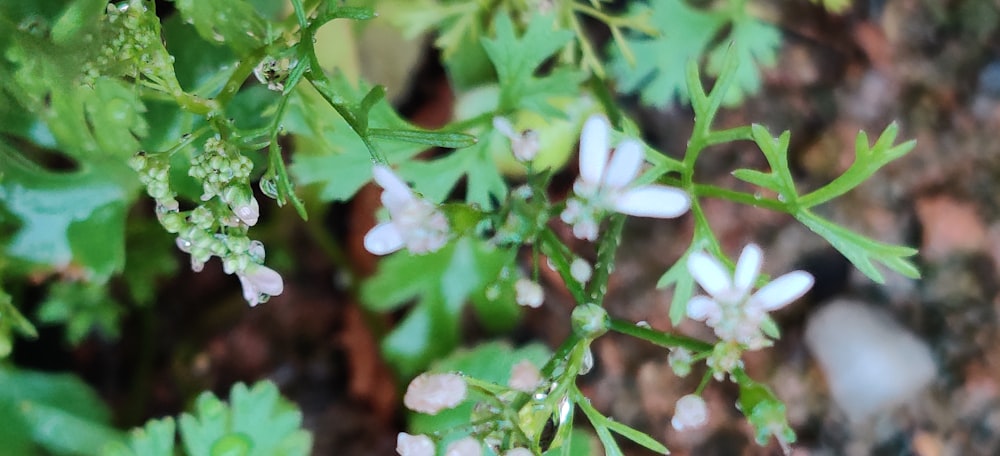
590	321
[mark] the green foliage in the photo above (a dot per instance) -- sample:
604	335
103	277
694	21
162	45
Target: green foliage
12	321
256	422
57	413
460	270
83	308
687	33
234	23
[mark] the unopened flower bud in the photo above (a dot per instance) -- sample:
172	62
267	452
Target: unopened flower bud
680	361
690	412
525	376
590	320
580	270
467	446
245	207
431	393
528	293
414	445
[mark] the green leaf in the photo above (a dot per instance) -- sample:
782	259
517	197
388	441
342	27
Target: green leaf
11	320
688	34
659	72
441	282
863	252
680	278
234	23
257	420
518	59
435	179
150	254
775	150
202	65
636	436
75	218
868	160
59	411
156	438
83	308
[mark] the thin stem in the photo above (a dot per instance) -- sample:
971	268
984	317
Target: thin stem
606	249
656	337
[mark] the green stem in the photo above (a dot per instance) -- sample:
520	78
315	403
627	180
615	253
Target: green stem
560	255
656	337
606	249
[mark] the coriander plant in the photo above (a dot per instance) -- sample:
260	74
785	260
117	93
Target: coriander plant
135	130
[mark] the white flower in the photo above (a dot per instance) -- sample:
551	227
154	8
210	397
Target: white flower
524	145
606	184
414	445
690	412
528	293
414	223
467	446
431	393
731	309
260	283
525	376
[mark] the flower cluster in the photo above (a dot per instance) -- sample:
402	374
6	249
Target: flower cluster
217	227
606	183
736	314
413	223
132	46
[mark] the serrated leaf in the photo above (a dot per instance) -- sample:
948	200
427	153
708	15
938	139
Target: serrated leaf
75	218
84	308
517	59
234	23
682	281
156	438
659	72
863	252
441	282
257	419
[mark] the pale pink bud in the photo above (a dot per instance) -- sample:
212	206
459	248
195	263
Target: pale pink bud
467	446
431	393
525	376
690	412
414	445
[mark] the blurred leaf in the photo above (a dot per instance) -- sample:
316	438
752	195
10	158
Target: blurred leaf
201	64
689	34
83	308
441	282
11	320
73	218
517	59
150	254
257	422
234	23
156	438
59	412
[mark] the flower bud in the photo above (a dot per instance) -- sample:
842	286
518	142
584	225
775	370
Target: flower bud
690	412
414	445
590	320
431	393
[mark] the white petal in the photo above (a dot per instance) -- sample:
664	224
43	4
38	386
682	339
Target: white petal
703	308
414	445
709	273
267	280
653	201
748	267
594	148
396	191
385	238
248	212
783	290
624	164
250	293
504	126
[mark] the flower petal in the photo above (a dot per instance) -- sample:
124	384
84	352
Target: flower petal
624	164
385	238
703	308
594	149
748	267
396	191
267	280
709	273
783	290
653	201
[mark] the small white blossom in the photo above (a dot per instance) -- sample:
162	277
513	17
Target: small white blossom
431	393
248	211
580	270
525	376
467	446
528	293
414	223
606	184
680	360
518	452
730	309
689	413
414	445
524	145
259	283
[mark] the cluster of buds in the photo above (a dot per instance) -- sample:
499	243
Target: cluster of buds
132	46
607	183
217	227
